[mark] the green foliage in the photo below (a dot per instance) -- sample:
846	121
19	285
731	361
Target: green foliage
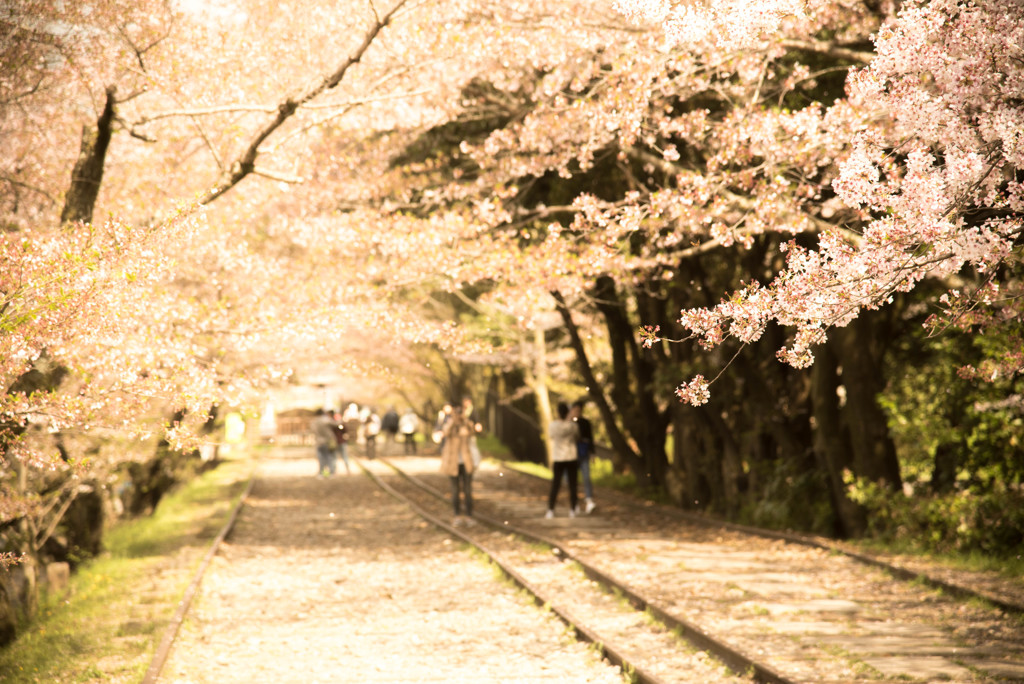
959	441
602	474
492	446
790	499
961	522
102	617
950	431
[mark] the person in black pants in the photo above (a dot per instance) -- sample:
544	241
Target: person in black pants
563	433
457	462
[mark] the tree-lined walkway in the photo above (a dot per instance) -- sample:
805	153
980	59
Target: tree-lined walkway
806	613
333	580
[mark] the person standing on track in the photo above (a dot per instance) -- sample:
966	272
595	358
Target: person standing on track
371	428
389	426
584	449
563	435
409	425
457	462
342	435
323	433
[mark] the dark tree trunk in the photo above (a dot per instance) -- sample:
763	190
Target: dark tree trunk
944	472
831	443
88	173
860	347
633	385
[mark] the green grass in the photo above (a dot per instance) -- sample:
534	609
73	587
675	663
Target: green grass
601	474
108	624
535	469
492	446
1009	567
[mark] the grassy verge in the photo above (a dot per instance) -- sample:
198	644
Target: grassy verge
601	474
492	446
1011	567
109	622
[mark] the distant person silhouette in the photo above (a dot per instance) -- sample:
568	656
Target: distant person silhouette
343	435
389	426
409	425
371	428
323	427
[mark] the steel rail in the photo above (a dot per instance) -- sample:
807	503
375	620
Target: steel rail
580	630
957	591
171	631
737	661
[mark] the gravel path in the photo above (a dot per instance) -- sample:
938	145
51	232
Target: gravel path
332	580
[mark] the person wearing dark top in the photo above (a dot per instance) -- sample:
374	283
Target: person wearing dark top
584	448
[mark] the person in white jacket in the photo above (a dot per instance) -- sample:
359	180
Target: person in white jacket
563	435
409	425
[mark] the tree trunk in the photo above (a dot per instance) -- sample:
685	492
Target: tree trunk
831	443
633	386
860	348
88	172
540	388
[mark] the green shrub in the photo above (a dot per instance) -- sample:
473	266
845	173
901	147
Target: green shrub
965	521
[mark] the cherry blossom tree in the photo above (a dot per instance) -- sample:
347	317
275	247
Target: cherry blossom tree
933	172
263	188
723	143
189	294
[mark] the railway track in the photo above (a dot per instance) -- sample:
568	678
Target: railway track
671	598
668	597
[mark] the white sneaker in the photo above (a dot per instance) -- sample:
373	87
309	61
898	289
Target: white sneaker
549	514
590	506
572	512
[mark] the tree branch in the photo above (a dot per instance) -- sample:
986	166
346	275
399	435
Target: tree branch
246	162
829	49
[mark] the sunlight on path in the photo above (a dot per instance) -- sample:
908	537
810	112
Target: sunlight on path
332	580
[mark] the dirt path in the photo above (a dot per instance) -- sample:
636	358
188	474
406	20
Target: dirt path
333	581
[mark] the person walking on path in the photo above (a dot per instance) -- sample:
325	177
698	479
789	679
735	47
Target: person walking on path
323	426
563	435
584	449
409	425
457	462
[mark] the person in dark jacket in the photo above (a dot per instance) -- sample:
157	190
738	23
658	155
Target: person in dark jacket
584	449
323	427
389	426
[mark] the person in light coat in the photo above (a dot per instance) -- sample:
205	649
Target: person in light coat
563	434
457	462
409	425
